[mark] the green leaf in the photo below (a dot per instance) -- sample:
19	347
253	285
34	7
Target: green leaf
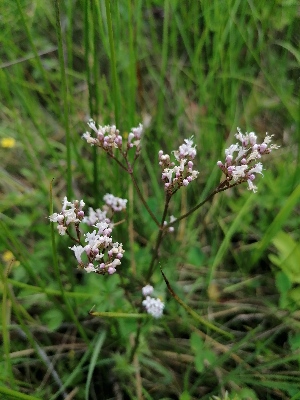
196	342
202	356
95	357
283	285
52	318
185	396
288	257
294	294
276	225
294	341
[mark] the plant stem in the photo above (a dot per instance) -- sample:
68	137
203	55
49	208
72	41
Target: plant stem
113	62
64	93
143	200
193	313
158	239
209	197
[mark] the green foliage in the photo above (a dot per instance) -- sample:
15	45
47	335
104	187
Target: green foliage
288	261
204	357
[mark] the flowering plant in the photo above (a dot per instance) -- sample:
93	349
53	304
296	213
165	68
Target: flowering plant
98	253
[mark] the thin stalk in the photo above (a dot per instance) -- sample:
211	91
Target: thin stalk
49	292
8	369
136	343
96	96
164	61
53	105
16	394
193	313
158	240
209	197
118	315
64	94
19	252
25	333
164	227
132	83
87	55
89	26
143	200
113	62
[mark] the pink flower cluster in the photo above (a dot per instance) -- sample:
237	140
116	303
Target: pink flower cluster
242	167
108	137
99	254
71	213
175	176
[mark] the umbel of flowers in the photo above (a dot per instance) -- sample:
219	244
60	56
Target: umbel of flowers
96	251
175	176
153	306
243	166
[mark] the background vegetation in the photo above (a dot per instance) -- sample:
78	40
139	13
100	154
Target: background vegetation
184	68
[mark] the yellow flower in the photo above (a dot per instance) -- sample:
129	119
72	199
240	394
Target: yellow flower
7	143
8	258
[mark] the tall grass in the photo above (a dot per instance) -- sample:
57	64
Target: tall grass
184	69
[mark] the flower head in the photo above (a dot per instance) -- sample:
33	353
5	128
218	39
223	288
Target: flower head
176	176
147	290
243	166
115	203
71	212
154	307
108	137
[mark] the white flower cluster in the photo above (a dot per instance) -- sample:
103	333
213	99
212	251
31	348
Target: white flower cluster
134	137
101	254
242	167
112	204
108	137
175	176
115	203
154	307
71	213
171	228
99	242
95	216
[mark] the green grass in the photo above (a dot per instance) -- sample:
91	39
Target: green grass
190	69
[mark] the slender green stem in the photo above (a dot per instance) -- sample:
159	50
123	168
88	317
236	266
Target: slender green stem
96	97
113	62
209	197
164	61
47	291
132	84
64	94
158	240
91	72
87	26
25	332
118	315
8	369
143	200
53	105
193	313
118	162
136	343
19	251
13	394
